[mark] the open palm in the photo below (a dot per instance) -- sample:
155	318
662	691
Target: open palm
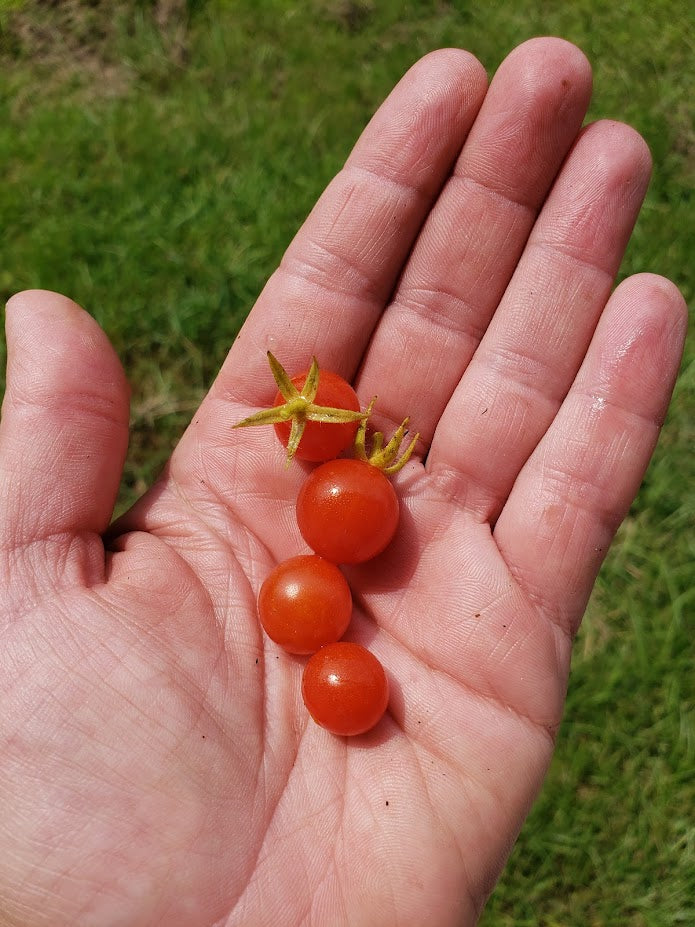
156	763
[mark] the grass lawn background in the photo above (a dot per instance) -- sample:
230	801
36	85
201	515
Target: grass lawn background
158	157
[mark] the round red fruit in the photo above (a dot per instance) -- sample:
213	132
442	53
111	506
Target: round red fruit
345	688
323	440
347	511
304	603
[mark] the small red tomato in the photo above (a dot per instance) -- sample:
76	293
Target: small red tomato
304	603
323	440
347	511
345	688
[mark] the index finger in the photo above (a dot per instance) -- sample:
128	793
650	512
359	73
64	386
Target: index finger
337	274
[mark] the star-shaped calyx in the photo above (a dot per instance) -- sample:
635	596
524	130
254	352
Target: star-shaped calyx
299	406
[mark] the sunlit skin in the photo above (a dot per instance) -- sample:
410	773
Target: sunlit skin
157	764
345	689
347	511
304	603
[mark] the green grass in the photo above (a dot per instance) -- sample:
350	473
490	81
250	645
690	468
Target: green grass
157	159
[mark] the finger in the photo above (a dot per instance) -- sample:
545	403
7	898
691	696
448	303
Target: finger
469	247
64	428
536	342
340	269
578	485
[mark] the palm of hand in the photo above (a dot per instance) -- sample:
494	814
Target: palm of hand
159	762
178	742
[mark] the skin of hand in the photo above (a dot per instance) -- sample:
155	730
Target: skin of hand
156	763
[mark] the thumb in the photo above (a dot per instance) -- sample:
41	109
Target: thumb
64	426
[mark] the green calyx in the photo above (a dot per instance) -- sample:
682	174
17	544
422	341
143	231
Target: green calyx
299	407
385	458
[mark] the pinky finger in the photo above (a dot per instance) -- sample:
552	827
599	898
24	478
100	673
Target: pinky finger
579	483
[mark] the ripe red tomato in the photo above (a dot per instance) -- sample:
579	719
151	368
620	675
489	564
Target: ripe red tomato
345	688
347	511
322	440
304	603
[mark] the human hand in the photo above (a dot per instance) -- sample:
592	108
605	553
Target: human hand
156	764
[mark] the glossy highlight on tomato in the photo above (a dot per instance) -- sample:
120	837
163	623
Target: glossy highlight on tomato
305	603
345	688
323	440
347	511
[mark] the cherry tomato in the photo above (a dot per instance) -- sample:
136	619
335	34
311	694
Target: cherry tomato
345	688
347	511
323	440
304	603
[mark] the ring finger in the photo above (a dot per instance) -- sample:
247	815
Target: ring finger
536	342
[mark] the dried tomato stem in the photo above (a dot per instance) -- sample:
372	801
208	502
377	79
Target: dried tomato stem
386	458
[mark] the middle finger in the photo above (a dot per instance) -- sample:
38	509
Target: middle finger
476	232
